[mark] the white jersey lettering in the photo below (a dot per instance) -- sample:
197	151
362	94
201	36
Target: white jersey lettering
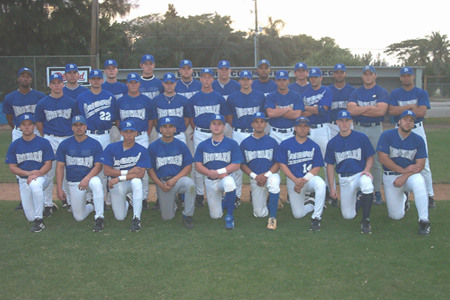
211	109
264	154
349	154
18	110
60	113
299	157
246	111
32	156
97	106
408	102
138	114
87	162
223	156
310	101
171	112
169	160
408	154
338	104
126	162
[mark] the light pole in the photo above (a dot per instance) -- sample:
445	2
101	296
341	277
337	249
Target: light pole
94	34
256	34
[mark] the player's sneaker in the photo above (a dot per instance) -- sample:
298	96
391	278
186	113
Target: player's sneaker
229	222
98	225
69	208
135	225
272	224
199	200
424	228
315	224
156	206
64	203
19	206
365	226
237	202
188	222
144	204
48	211
431	203
378	200
37	226
333	202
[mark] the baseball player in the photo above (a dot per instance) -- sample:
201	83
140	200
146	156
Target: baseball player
151	86
368	105
301	78
54	115
171	163
126	163
72	88
410	97
216	158
264	83
187	86
79	158
259	164
300	159
203	106
352	153
283	107
403	154
30	158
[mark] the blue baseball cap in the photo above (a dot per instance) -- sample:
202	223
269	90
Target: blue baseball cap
24	117
224	64
344	114
127	125
55	76
185	62
340	67
166	120
71	67
258	115
302	120
133	77
24	70
95	73
406	70
264	62
246	74
369	68
79	119
147	57
282	74
207	71
300	65
169	77
315	72
110	62
407	113
219	118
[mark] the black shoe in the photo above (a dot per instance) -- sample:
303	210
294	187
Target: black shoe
144	204
431	203
188	222
237	202
130	202
333	202
19	206
38	225
98	225
106	206
199	200
365	226
69	208
407	204
424	228
315	224
135	225
64	203
156	206
48	211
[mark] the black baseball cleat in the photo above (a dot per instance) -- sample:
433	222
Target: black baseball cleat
98	225
156	206
315	224
135	225
199	200
19	206
38	225
431	203
237	202
64	203
144	204
365	226
48	211
424	228
188	222
333	202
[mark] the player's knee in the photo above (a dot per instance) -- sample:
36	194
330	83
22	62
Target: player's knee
366	185
397	215
348	214
298	214
260	213
228	184
35	186
273	183
78	218
136	184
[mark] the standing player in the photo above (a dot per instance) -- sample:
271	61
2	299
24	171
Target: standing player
151	86
264	83
79	158
72	88
223	84
368	105
216	158
410	97
171	163
259	164
300	159
126	163
30	158
187	86
403	154
301	78
352	153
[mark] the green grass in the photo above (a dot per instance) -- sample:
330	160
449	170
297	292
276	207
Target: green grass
166	261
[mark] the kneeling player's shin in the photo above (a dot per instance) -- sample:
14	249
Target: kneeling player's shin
366	204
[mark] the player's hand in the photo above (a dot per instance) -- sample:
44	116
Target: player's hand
333	193
31	178
261	180
61	195
299	183
84	184
140	172
213	174
37	173
367	173
222	176
413	168
400	181
165	188
171	182
113	182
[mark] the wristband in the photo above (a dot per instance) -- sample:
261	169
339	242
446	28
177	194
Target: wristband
308	176
222	171
123	172
268	173
123	178
252	175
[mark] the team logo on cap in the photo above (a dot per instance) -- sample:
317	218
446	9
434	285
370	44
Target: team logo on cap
128	124
405	69
207	70
263	61
224	63
167	120
132	76
313	71
95	73
26	117
282	73
71	66
344	114
339	66
77	118
217	117
169	76
110	62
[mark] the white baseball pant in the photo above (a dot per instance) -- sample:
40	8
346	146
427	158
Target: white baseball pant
349	188
214	192
321	136
299	210
118	198
199	137
260	194
239	136
32	196
80	209
104	140
168	207
281	136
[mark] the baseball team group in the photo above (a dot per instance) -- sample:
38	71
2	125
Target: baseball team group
196	138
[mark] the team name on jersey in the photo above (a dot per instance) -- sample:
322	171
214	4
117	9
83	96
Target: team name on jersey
367	103
299	157
137	113
95	107
408	102
188	94
263	154
87	162
31	156
408	154
18	110
60	113
223	156
209	109
169	160
311	100
338	104
170	112
151	95
349	154
126	162
246	111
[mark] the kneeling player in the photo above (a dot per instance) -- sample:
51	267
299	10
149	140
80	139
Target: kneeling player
300	160
259	163
352	153
80	156
126	162
216	158
171	163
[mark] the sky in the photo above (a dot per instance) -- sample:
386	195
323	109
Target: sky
357	27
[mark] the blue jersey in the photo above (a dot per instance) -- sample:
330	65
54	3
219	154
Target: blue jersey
73	93
188	89
340	99
243	106
97	109
349	153
29	155
226	89
79	157
16	103
116	157
203	106
264	87
118	89
151	87
291	99
299	158
298	88
56	114
320	97
403	152
259	154
168	159
366	97
176	107
136	109
416	96
217	157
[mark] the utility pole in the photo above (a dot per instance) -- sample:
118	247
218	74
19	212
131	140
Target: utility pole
94	34
256	33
